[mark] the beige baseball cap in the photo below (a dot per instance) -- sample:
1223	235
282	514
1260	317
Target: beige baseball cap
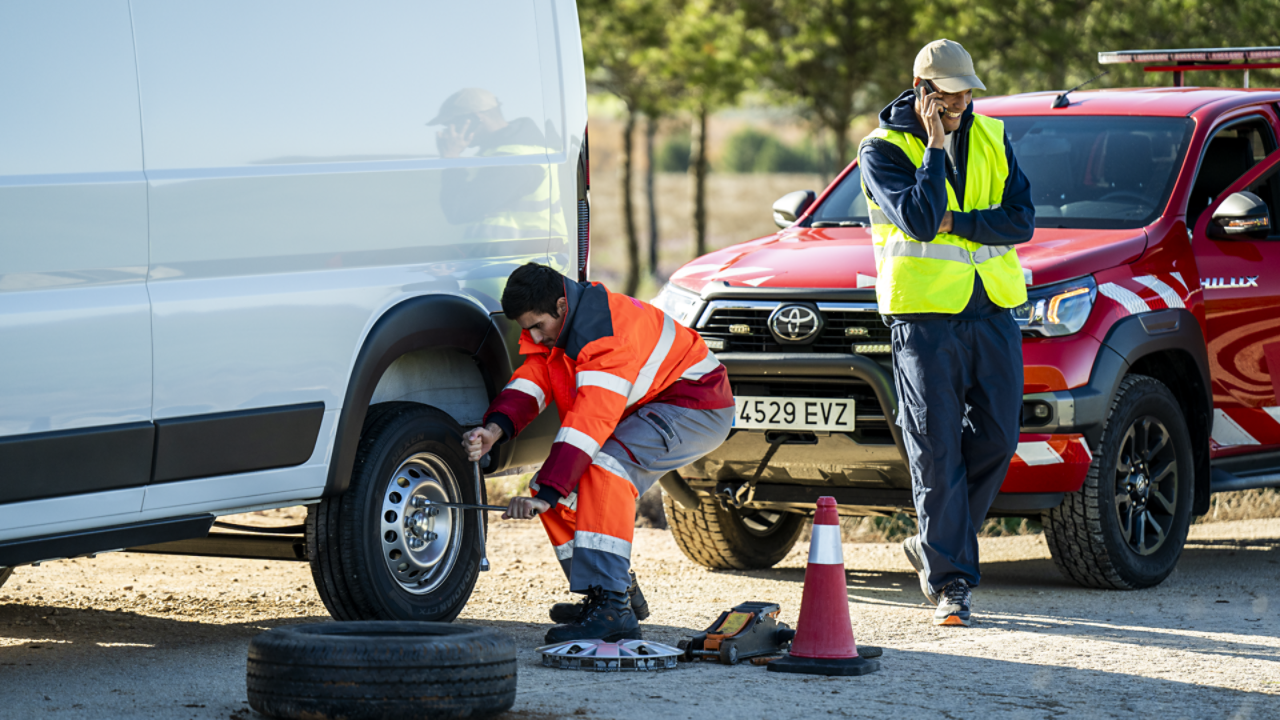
948	65
466	101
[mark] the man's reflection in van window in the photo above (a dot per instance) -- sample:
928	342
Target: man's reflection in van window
503	202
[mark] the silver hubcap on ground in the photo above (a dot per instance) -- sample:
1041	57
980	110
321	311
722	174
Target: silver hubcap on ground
1146	485
420	543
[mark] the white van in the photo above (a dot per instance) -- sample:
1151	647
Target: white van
250	257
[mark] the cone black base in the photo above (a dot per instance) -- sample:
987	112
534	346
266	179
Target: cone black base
824	666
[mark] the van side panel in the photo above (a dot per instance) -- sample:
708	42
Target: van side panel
299	189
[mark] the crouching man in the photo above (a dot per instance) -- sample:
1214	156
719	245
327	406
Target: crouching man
638	394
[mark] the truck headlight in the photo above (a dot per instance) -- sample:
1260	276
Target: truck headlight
682	305
1059	309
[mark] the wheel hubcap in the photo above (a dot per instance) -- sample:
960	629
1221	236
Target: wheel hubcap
1146	485
420	543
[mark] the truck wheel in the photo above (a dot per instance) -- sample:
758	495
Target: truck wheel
381	670
1126	526
732	539
375	554
5	573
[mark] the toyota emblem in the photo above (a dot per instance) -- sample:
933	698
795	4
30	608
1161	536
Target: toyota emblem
795	323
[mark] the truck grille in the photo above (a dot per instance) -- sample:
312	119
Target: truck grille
744	328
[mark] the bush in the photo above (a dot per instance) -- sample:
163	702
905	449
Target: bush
752	151
674	154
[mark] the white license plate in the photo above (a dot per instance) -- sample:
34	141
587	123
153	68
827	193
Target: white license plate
784	413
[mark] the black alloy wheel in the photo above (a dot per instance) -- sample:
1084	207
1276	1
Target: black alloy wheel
1146	485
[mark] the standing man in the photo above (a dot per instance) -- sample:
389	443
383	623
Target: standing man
948	203
639	395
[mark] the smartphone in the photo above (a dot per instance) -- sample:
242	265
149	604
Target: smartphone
924	87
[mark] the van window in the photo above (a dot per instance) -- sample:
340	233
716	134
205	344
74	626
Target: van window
289	83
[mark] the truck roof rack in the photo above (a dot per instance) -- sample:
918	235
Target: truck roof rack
1197	59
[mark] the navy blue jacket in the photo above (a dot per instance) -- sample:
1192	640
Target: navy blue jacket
915	201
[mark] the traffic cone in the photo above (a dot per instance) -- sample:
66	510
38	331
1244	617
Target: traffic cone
824	636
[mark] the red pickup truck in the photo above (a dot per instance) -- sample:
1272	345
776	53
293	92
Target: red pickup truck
1151	340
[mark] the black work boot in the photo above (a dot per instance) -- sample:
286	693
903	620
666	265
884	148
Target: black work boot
570	612
607	616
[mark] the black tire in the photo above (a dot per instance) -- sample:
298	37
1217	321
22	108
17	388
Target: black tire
5	573
352	568
732	539
380	670
1145	434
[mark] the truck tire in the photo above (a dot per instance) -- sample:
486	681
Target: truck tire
5	574
374	555
381	670
1126	526
731	539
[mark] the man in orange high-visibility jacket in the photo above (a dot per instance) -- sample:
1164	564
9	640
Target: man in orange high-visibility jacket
639	395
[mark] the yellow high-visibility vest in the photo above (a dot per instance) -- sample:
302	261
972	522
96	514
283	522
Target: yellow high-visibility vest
937	276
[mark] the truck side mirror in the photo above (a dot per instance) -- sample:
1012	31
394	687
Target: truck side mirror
1242	215
791	206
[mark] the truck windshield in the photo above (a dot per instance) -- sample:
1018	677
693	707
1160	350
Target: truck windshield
1085	172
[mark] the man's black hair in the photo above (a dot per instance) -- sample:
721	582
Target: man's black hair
532	288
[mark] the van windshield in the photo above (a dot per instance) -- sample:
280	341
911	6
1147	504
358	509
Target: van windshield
1085	172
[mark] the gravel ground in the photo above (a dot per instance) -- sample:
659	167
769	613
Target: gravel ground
130	635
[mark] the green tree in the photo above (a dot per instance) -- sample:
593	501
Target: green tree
713	56
837	58
621	47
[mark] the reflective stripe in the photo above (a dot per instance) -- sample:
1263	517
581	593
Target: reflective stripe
1127	299
608	381
570	501
706	365
529	387
644	380
565	551
578	439
1038	453
824	546
878	216
1161	288
604	543
610	464
940	251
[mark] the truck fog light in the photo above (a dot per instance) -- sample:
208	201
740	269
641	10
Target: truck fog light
740	329
872	348
714	344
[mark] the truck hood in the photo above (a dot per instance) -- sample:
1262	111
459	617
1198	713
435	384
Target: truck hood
842	258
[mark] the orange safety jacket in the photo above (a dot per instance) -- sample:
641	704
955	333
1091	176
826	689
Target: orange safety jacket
614	354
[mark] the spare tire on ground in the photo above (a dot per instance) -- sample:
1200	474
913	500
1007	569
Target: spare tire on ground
382	669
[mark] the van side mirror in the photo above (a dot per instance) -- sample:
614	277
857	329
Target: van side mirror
1242	215
791	206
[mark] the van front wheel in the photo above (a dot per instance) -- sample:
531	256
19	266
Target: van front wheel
380	551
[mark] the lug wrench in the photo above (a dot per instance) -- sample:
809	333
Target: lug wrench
484	558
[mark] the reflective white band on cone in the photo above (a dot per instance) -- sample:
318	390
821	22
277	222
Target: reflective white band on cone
824	546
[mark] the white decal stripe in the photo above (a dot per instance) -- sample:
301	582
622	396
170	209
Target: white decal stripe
824	546
605	380
578	439
529	387
1180	290
1038	453
1085	444
1126	298
604	543
701	368
1162	289
1227	432
610	464
644	380
565	551
1274	412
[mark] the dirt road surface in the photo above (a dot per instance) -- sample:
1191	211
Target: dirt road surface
145	636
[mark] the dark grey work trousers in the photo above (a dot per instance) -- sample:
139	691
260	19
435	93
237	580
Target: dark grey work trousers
959	406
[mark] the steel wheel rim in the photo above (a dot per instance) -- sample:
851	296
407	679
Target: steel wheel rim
1146	485
420	544
761	523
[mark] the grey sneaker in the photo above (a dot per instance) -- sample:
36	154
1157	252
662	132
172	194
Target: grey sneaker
911	546
953	607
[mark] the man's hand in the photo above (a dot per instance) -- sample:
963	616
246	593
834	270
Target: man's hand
453	139
479	441
525	508
929	109
946	225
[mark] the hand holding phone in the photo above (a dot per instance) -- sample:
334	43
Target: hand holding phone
930	112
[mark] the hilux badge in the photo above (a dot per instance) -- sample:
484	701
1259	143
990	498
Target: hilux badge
1231	282
795	323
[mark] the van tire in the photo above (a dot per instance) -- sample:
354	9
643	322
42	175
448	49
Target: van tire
381	670
1086	535
349	565
717	538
